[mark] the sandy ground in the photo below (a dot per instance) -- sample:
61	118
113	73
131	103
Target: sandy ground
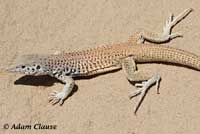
100	105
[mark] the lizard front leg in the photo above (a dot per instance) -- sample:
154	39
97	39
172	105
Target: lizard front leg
146	79
167	35
56	96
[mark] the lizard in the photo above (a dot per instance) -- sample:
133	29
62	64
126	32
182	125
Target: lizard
65	66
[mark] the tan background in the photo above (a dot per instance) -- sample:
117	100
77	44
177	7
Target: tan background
101	105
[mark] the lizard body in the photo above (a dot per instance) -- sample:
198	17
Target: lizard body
107	58
65	66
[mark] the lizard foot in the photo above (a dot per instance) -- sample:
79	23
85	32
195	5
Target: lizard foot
143	88
57	97
167	28
171	22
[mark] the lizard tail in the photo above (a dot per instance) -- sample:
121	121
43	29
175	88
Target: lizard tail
165	54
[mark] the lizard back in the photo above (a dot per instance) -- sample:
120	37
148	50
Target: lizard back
87	62
107	58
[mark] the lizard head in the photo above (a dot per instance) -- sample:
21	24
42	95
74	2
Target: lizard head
29	69
29	65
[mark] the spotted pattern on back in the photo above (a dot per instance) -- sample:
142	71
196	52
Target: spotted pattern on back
85	62
93	61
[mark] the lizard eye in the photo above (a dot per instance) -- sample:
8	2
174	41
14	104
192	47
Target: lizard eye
38	67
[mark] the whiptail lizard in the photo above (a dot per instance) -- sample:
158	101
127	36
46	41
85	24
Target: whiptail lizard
66	66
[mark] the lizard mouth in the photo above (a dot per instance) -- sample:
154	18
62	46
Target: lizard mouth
11	69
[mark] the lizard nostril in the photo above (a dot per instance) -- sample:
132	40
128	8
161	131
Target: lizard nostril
23	67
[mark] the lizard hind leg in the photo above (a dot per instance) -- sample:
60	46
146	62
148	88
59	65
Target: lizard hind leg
147	80
167	34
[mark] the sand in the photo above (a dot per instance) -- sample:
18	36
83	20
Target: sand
99	105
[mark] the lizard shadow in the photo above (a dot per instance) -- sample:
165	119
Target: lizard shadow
43	80
46	80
